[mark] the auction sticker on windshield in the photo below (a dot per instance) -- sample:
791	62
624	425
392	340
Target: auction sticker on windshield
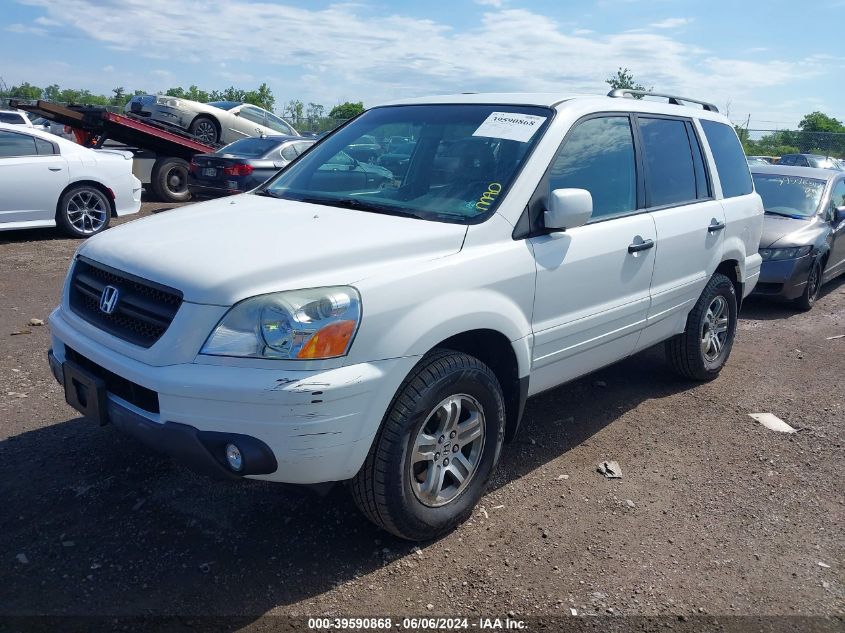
510	126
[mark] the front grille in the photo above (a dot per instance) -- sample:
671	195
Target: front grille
141	397
144	309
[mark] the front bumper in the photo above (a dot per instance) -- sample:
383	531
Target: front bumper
784	278
318	425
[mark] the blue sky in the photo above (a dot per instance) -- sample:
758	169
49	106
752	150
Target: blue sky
774	60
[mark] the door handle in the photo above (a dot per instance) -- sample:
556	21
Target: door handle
642	246
54	168
715	226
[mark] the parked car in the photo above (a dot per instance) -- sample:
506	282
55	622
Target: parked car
341	172
756	160
49	181
242	165
803	241
397	159
320	329
212	123
58	129
15	117
810	160
365	149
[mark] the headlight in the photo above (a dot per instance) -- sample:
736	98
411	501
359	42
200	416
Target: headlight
172	102
300	324
769	254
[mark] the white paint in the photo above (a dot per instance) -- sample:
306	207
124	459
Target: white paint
772	422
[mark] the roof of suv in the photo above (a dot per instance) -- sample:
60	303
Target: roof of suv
792	170
554	99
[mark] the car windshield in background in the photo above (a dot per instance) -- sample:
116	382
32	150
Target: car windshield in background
462	159
791	196
250	147
223	105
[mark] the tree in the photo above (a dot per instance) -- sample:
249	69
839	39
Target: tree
624	78
52	92
263	97
119	97
820	122
26	91
315	111
293	109
347	110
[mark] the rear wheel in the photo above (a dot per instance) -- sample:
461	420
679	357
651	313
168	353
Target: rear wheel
814	286
438	446
169	180
703	348
83	211
205	130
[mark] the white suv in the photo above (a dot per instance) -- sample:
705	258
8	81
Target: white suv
339	325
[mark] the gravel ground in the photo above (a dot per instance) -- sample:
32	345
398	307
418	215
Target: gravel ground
715	514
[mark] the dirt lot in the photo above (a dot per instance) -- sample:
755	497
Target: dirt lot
715	514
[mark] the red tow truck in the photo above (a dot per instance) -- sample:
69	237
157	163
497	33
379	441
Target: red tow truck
162	154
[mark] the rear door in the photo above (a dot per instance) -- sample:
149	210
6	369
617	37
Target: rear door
592	288
690	222
250	121
32	176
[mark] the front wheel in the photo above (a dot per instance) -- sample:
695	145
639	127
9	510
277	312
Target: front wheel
437	447
205	130
811	291
702	349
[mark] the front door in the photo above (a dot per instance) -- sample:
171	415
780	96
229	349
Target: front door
836	260
592	290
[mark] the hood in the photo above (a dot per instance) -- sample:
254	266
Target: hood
781	231
226	250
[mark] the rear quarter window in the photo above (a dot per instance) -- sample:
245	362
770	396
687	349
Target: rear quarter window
731	164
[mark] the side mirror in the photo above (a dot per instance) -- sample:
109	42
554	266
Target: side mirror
238	113
568	208
839	214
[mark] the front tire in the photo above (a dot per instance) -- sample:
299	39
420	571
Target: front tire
205	129
438	445
703	348
83	211
813	288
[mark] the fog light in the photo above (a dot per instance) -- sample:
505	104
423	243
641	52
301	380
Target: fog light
234	457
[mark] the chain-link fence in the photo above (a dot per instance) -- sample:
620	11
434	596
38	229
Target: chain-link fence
780	142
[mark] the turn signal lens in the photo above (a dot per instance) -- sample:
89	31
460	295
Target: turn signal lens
329	341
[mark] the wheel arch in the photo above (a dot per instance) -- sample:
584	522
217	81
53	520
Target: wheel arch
108	193
731	269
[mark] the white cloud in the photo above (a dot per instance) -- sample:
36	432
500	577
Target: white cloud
25	29
108	69
349	51
490	3
671	23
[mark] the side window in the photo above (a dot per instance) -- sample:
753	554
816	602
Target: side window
289	152
301	147
669	162
277	125
252	114
598	156
837	196
730	159
44	147
12	144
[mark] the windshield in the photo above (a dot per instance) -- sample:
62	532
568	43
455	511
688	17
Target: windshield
461	161
792	196
250	147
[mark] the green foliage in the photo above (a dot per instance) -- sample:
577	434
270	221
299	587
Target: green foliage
294	109
624	78
192	93
346	110
26	91
820	122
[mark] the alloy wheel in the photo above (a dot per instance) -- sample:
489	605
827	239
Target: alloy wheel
205	131
447	450
87	211
714	329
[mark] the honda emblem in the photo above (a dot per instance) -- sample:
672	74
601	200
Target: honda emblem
108	300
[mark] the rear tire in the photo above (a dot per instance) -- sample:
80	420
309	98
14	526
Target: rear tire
702	349
169	180
205	130
437	447
813	288
83	211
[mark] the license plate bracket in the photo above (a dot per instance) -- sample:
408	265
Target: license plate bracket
85	392
210	172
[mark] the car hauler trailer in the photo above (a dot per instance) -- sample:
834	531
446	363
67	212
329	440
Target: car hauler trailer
162	154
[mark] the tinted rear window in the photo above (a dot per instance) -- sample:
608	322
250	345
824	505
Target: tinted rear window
730	159
10	117
223	105
250	147
669	160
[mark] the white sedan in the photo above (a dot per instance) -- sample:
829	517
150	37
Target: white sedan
212	123
50	181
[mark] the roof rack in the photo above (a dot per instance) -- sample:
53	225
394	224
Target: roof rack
674	100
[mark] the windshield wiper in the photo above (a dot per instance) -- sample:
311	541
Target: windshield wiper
794	216
362	205
267	194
